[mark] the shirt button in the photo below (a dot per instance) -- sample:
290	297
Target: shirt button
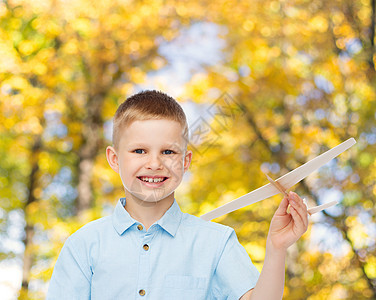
142	292
139	227
146	247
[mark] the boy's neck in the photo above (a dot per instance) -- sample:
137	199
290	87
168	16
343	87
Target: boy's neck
147	213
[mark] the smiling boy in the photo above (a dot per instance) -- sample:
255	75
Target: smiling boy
148	248
151	160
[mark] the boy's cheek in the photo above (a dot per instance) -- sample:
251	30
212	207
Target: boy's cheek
175	163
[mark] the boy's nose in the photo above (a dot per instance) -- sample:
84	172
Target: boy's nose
154	162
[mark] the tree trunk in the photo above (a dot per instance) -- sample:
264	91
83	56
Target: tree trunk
92	140
29	256
372	35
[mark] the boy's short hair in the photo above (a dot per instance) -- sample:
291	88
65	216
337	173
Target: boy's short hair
147	105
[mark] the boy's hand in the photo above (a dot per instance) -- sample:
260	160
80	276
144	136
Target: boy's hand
287	228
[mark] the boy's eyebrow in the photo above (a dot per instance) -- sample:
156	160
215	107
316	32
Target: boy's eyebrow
136	145
142	145
172	145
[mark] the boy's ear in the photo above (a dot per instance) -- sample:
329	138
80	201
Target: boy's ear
187	159
112	158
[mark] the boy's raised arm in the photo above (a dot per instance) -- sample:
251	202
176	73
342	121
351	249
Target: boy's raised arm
285	229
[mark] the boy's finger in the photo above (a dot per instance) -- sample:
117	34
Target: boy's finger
298	220
282	208
302	211
300	207
303	216
299	201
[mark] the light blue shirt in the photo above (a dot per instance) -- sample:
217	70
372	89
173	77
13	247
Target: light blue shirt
180	257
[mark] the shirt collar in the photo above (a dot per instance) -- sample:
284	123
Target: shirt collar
170	221
121	219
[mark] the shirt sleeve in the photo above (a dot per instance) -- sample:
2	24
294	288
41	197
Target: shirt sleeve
235	273
71	278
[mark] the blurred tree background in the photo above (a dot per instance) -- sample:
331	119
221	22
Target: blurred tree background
293	79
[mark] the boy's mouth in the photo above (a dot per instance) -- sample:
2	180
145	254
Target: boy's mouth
153	179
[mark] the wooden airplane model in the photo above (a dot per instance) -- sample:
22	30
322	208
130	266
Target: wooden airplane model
281	184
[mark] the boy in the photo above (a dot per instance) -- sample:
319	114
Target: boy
148	248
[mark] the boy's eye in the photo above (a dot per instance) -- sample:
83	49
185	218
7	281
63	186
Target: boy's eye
139	151
168	152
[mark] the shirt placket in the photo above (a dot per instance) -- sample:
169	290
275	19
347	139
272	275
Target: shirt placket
144	265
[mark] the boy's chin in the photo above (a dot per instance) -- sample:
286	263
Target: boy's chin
147	200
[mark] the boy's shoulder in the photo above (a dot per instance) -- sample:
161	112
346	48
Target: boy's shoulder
92	228
202	225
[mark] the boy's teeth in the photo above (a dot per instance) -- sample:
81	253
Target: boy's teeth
147	179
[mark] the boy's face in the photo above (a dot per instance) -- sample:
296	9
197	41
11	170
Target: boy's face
151	159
